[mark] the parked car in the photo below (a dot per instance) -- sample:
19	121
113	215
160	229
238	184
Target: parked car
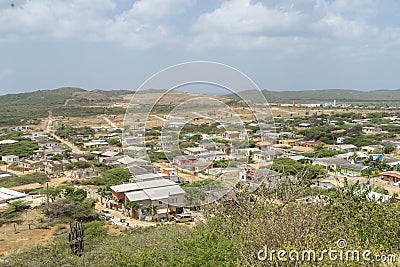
120	221
106	214
182	218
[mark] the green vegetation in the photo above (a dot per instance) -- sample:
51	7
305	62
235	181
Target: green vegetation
360	141
23	179
23	148
12	213
294	168
67	131
236	231
78	165
110	177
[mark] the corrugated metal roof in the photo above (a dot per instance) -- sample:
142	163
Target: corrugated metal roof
137	196
164	192
142	185
7	194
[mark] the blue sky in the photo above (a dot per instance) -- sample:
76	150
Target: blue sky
280	44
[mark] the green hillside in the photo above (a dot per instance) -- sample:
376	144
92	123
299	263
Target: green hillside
41	97
22	108
328	95
234	232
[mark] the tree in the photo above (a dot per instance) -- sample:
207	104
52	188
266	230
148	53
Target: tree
133	206
75	194
54	192
353	157
368	172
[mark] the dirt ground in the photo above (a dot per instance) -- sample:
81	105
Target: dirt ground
18	238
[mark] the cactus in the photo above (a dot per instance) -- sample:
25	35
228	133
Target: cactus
76	238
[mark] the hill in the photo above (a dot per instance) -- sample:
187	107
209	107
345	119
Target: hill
60	96
327	95
22	108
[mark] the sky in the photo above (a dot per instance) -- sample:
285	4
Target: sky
280	44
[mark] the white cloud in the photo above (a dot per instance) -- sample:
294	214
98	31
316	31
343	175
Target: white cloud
53	18
273	25
339	25
145	24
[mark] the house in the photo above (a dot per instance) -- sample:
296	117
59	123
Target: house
28	164
305	125
53	166
392	141
38	136
360	156
175	124
58	150
392	161
371	130
286	135
340	165
8	195
83	174
184	160
289	142
391	176
230	134
371	148
26	187
258	176
95	144
194	150
298	150
160	192
244	134
210	156
263	144
343	147
8	142
267	155
48	144
312	144
10	158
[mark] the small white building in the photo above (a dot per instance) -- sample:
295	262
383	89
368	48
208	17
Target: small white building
371	130
10	158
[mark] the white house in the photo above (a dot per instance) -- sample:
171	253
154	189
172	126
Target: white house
371	130
10	158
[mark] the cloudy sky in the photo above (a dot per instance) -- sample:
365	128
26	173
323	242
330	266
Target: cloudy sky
280	44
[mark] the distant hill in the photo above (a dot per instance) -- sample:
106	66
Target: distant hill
327	95
23	108
60	96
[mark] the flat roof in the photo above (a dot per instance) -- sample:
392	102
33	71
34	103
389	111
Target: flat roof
142	185
8	194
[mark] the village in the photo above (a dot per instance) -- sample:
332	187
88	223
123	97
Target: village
143	183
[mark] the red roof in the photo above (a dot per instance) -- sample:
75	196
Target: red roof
313	143
26	187
391	173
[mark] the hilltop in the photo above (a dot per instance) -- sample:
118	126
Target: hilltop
60	96
18	109
326	95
